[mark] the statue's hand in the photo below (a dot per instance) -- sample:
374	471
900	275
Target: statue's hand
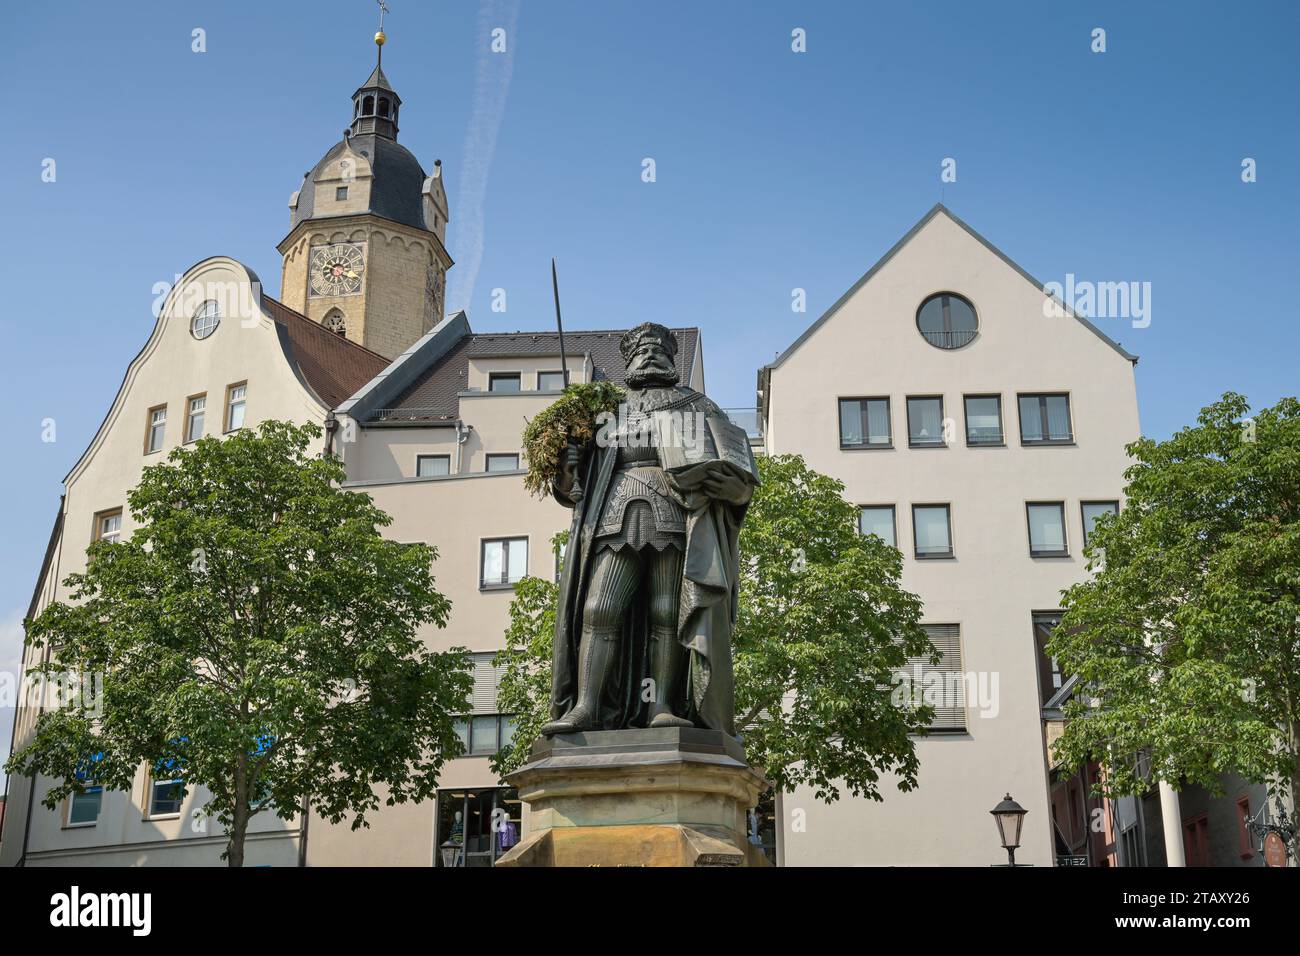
723	485
570	460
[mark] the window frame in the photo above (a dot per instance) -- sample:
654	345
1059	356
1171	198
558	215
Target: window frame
97	531
893	521
907	404
68	803
1042	412
487	462
506	585
420	458
149	426
928	668
1065	531
948	333
551	371
189	416
227	413
866	444
152	781
1002	424
952	548
1083	516
493	377
1245	846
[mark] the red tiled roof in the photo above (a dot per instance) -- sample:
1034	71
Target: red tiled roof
334	367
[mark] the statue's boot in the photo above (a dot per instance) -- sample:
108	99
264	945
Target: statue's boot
596	656
668	668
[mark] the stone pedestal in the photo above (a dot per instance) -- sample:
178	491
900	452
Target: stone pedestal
673	796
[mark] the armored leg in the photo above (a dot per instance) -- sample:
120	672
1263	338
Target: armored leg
667	656
614	578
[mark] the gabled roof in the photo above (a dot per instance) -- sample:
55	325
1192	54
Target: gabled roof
934	211
433	394
331	366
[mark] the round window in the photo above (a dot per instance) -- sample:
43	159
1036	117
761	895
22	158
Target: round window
205	320
947	320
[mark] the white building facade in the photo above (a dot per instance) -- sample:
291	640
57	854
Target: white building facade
980	436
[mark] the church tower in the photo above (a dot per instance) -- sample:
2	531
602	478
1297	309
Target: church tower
365	254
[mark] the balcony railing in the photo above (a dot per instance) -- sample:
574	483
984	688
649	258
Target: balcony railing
748	419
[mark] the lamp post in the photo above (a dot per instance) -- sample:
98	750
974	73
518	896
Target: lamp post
1009	816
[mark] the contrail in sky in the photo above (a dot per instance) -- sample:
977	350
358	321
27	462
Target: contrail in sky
491	84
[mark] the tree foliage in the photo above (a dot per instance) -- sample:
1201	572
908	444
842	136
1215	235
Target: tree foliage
256	637
822	630
1185	641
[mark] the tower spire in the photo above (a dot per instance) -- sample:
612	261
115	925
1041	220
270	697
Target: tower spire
375	103
380	36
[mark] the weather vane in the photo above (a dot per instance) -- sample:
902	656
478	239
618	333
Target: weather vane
379	36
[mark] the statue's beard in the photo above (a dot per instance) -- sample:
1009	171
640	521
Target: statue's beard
642	378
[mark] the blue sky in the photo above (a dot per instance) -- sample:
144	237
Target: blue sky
775	170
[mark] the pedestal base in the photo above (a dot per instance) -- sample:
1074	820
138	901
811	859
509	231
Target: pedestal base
673	796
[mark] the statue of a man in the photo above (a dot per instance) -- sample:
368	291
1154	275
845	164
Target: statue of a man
650	582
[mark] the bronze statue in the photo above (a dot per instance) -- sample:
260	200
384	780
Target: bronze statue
649	588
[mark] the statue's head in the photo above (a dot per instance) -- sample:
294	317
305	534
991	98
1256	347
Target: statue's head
650	354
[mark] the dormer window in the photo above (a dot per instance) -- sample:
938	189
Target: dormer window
340	193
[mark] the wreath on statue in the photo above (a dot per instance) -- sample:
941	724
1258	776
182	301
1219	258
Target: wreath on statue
571	417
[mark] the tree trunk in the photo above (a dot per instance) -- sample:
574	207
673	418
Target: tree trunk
239	821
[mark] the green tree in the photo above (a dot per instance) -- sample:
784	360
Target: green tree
256	637
822	631
1184	641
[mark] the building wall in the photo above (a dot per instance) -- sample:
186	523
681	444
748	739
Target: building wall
455	514
871	347
171	367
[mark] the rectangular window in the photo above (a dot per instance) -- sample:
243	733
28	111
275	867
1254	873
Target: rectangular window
1092	510
503	462
504	561
503	382
1050	677
83	808
108	525
864	423
195	409
157	429
550	381
878	520
236	397
429	466
925	421
1046	529
1045	420
340	193
942	685
1244	845
165	797
932	531
1196	840
984	420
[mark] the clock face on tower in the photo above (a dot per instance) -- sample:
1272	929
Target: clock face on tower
337	269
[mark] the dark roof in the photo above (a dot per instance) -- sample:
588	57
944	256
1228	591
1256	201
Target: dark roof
48	560
434	395
396	191
377	81
330	365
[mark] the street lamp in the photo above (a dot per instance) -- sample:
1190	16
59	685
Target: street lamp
450	853
1009	816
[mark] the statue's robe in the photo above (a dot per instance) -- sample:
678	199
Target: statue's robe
706	612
